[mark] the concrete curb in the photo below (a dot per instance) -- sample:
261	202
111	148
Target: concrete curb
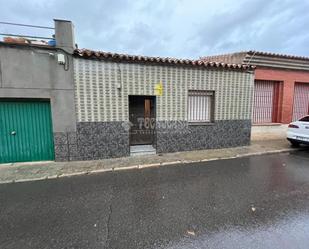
144	166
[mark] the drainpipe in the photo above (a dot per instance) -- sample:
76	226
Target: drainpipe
64	35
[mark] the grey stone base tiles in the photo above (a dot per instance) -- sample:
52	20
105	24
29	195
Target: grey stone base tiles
92	141
173	136
99	140
65	146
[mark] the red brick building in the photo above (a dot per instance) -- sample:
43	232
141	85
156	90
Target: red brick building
281	92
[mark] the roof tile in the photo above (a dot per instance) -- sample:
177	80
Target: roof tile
278	55
90	54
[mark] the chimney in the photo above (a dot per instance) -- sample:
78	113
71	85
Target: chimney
64	35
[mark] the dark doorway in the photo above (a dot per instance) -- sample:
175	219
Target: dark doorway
143	119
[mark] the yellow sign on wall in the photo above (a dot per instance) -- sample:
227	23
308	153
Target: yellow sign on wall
159	89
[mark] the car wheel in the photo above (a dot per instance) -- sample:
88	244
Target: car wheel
295	144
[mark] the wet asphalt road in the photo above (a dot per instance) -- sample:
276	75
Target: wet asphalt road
256	202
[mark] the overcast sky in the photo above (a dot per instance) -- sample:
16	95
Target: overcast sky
172	28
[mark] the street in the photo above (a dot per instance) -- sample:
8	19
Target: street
251	202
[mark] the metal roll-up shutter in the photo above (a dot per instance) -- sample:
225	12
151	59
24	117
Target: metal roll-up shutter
301	100
263	105
25	131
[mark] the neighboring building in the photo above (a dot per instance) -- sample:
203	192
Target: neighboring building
37	102
107	105
281	92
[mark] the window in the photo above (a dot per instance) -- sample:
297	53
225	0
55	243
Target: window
200	106
304	119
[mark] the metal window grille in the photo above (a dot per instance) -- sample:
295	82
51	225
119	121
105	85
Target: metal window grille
301	101
200	106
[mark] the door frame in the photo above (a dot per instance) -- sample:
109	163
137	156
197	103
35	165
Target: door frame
155	116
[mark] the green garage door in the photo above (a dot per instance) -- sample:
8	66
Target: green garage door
25	131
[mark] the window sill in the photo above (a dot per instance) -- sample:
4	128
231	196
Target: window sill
201	123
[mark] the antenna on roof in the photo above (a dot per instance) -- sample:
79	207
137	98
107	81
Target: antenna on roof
250	59
26	25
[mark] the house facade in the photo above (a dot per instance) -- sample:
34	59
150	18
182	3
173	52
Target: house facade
281	92
201	106
93	105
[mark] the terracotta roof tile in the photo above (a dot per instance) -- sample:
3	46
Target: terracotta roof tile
89	54
278	55
241	57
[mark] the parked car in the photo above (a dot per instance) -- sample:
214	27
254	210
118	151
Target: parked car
298	131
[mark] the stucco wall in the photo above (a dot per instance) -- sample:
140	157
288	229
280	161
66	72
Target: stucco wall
31	72
28	72
98	99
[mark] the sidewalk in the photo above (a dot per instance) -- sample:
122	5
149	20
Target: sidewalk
19	172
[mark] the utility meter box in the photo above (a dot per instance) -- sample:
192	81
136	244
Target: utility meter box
61	59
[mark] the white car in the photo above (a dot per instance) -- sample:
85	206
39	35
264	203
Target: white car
298	132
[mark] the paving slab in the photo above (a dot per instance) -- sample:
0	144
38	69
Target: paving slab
20	172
